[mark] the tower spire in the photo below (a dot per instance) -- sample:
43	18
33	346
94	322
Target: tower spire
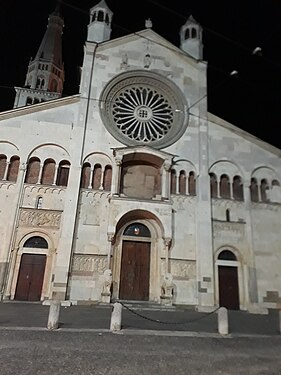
45	74
99	28
191	38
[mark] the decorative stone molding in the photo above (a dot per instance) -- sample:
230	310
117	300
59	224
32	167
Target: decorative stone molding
89	263
39	218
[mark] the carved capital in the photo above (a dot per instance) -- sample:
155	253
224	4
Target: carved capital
118	161
167	165
167	242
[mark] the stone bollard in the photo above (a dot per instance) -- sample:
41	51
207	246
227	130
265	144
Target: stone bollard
54	314
223	321
116	317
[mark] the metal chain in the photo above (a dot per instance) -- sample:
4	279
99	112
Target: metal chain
164	322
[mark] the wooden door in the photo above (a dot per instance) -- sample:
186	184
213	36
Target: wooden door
30	278
135	269
228	287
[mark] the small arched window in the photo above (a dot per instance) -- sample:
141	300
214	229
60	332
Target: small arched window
263	188
213	185
275	183
63	173
100	16
36	242
48	173
39	203
182	183
238	188
107	178
106	19
187	34
42	84
173	181
224	187
3	164
137	230
97	177
13	169
254	190
227	255
193	33
85	176
38	82
191	184
227	212
32	172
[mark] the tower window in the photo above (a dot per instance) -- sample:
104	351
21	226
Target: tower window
193	33
187	34
100	16
107	19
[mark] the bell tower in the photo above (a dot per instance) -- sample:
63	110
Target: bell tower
45	74
99	28
191	38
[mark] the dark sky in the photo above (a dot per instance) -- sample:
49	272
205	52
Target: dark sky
232	29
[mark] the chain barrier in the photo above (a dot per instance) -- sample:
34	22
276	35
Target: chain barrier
165	322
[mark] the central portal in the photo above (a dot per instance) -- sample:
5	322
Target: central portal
135	270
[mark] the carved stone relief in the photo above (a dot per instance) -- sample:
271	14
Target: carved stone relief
89	263
237	228
35	218
183	269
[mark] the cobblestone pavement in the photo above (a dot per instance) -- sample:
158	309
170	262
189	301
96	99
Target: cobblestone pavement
87	353
14	314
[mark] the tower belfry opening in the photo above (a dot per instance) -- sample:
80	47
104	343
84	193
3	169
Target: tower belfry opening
45	73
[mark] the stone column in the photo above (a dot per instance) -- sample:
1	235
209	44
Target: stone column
231	189
166	179
55	175
204	240
6	268
110	239
90	186
251	298
259	189
101	179
116	176
177	183
40	174
167	243
6	170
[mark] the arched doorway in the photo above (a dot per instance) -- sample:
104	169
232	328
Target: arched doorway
135	263
31	272
228	280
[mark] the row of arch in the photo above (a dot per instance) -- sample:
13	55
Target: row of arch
48	173
9	168
259	190
225	188
96	177
183	183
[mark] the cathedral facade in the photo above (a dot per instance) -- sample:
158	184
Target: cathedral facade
132	183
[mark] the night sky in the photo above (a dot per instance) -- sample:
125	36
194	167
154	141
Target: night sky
232	29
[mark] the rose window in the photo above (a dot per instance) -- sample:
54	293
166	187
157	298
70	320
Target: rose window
143	110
